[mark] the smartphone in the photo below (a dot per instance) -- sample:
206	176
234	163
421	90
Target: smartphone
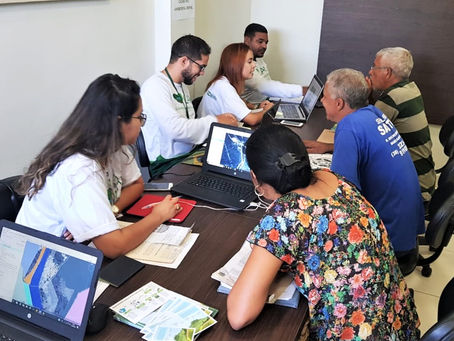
292	123
158	186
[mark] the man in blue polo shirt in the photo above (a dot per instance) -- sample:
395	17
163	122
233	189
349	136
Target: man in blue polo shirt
370	153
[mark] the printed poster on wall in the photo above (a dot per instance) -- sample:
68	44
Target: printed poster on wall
182	9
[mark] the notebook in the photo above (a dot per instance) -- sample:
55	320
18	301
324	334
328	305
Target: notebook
144	206
46	284
302	111
225	177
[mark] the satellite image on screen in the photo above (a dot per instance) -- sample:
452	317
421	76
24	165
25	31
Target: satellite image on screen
54	283
234	152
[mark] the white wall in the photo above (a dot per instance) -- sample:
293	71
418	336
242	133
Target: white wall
294	28
50	52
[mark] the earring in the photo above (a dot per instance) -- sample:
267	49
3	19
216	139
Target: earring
256	191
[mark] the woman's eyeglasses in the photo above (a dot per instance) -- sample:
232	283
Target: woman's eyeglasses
142	117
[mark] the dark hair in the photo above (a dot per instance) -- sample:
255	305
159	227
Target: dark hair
231	66
92	129
251	29
189	46
264	150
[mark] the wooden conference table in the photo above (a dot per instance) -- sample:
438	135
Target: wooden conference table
221	234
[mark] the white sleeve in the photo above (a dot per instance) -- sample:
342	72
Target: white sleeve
222	98
275	88
83	204
158	102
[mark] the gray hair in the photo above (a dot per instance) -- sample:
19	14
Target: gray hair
398	59
350	85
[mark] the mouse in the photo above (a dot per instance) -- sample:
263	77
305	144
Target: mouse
97	320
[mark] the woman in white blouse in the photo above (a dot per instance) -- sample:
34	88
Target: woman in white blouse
223	91
86	173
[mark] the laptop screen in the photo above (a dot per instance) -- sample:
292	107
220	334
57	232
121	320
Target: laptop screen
226	151
46	280
313	93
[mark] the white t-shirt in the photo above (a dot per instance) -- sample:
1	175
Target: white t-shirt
168	131
221	97
78	195
261	85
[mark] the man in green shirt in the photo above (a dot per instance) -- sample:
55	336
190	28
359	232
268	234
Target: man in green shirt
401	101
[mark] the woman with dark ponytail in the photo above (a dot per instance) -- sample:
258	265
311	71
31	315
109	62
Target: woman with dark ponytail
322	231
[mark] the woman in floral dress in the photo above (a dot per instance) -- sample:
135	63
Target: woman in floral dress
322	231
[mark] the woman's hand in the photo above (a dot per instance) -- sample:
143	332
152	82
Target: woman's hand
67	235
167	208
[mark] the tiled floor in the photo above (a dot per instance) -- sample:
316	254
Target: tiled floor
428	289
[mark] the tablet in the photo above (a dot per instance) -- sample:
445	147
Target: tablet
120	270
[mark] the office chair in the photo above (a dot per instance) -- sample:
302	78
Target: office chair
195	103
446	137
441	223
142	155
443	330
10	200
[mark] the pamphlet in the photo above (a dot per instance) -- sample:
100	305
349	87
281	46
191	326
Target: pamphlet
282	287
161	314
319	161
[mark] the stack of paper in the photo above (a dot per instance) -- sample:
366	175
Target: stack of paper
166	246
161	314
282	291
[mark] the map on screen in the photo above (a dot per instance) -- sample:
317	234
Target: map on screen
53	283
234	152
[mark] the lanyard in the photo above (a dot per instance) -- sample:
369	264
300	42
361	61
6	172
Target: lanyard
177	96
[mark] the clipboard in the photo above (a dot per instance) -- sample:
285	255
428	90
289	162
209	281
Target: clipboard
144	206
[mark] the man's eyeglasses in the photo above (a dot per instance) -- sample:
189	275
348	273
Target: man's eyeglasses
373	67
201	66
142	117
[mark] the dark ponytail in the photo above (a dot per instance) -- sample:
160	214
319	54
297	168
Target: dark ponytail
279	158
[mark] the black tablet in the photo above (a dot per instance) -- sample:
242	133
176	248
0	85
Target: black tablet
120	270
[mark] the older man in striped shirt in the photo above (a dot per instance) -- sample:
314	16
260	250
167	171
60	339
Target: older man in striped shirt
401	101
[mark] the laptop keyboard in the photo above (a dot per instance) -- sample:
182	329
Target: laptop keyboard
235	189
289	111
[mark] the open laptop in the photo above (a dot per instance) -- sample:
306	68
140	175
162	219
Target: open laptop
46	284
225	178
301	112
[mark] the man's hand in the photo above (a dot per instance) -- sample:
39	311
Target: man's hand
227	119
314	147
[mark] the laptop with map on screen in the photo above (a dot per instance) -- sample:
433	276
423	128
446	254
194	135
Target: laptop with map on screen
225	177
46	284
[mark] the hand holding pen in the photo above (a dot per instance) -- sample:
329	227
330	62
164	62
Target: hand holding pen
167	208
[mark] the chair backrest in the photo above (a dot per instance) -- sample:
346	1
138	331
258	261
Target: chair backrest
195	103
441	215
446	136
446	303
142	151
443	330
447	173
10	200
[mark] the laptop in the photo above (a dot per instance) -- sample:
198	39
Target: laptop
225	177
46	284
301	112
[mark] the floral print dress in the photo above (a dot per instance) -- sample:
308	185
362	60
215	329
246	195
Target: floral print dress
338	252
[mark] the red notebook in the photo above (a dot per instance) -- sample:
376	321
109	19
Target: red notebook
144	207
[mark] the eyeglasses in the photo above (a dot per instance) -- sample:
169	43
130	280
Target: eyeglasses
142	117
202	67
373	67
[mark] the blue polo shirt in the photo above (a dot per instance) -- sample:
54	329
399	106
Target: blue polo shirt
370	153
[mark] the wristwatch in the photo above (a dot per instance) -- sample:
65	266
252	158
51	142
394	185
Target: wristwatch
115	210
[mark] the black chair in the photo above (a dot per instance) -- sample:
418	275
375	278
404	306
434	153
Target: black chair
10	200
443	330
446	137
195	103
142	155
441	223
